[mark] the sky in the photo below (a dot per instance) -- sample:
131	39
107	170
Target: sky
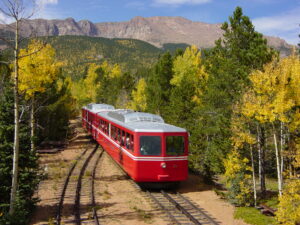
280	18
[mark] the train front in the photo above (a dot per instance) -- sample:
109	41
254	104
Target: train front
162	154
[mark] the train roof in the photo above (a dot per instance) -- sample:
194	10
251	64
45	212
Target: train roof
95	108
139	121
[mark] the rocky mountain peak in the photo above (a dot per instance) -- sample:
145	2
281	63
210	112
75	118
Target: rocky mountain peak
156	30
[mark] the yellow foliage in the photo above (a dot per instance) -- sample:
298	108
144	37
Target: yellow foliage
289	204
139	98
238	178
38	68
88	90
91	83
189	68
275	91
240	131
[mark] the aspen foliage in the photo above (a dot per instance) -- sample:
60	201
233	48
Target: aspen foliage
101	84
240	130
91	83
238	179
37	69
275	91
289	204
188	68
139	98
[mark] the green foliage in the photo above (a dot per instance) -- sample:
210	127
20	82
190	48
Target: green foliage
253	216
28	166
102	83
228	64
159	87
56	107
76	51
238	179
173	47
289	204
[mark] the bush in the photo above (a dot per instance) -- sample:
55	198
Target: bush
289	204
238	180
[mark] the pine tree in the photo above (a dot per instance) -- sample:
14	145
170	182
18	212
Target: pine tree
235	55
159	87
28	166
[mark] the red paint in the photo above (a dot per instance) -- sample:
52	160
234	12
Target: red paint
139	168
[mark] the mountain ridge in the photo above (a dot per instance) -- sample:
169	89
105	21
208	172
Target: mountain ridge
157	30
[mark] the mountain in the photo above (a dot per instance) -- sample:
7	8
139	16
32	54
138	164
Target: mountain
154	30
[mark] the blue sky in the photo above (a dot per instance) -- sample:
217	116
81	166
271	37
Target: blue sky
279	18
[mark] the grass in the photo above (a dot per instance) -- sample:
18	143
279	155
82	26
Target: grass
272	202
253	216
143	215
105	195
271	184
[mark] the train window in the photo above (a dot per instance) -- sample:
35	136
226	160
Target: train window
150	145
175	145
131	142
119	135
114	133
122	138
127	141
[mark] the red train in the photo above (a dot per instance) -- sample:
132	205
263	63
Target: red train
149	150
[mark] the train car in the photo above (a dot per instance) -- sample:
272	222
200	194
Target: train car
148	149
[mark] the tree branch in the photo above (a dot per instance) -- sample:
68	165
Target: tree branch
32	53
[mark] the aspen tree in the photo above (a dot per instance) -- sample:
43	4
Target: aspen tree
139	98
37	70
275	94
242	139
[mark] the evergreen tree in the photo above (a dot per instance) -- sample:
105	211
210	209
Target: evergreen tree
28	166
159	87
236	54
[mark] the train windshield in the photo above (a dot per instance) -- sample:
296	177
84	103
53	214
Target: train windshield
150	145
175	145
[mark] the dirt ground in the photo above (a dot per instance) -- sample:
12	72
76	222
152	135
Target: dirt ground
204	196
118	200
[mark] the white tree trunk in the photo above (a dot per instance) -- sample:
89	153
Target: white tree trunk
282	143
253	177
279	176
261	158
15	170
32	125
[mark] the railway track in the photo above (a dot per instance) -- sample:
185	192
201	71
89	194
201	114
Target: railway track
78	193
180	209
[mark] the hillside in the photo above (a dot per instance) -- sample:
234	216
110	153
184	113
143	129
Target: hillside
157	31
78	51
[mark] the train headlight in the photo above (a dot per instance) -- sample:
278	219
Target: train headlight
163	165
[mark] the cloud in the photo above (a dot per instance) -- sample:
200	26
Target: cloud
136	5
180	2
5	19
46	9
46	2
285	25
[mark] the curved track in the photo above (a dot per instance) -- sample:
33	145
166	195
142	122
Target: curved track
84	172
178	207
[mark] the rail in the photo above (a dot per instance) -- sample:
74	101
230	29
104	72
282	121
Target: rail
79	184
93	201
62	196
180	205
